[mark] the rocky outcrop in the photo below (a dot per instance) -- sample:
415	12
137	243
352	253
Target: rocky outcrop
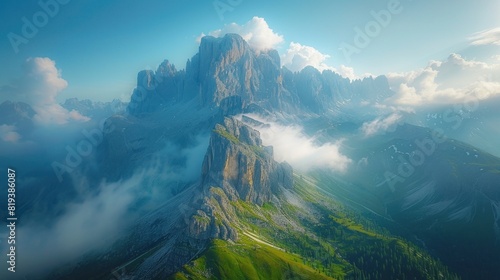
237	162
216	218
227	66
231	106
158	89
236	167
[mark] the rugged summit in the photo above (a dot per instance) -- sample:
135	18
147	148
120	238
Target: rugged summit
236	167
227	66
246	170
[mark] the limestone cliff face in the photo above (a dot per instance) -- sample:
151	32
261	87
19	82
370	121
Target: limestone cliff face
158	89
227	66
236	167
215	218
237	162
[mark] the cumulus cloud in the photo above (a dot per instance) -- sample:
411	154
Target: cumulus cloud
260	37
348	72
298	56
381	124
256	33
8	133
486	37
290	144
451	81
39	86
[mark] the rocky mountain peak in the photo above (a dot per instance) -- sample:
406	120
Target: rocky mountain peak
166	69
225	50
146	79
227	66
236	167
237	162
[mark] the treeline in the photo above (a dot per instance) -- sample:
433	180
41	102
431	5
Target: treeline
347	250
374	254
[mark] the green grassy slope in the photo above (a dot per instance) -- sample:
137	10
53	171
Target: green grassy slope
310	236
247	259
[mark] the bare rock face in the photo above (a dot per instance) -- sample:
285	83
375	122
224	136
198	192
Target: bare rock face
156	90
237	162
231	106
225	67
236	167
214	219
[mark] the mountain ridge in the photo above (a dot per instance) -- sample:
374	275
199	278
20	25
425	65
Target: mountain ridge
226	67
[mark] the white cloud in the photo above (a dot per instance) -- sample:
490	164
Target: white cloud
103	213
256	33
92	223
381	124
260	37
39	86
486	37
347	72
290	144
8	133
298	56
451	81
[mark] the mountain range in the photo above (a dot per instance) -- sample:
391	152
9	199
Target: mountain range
215	195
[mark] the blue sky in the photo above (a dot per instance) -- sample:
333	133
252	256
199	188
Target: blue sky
99	46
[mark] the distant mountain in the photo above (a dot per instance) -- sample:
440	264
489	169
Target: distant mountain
18	114
442	190
473	122
93	109
446	192
21	115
